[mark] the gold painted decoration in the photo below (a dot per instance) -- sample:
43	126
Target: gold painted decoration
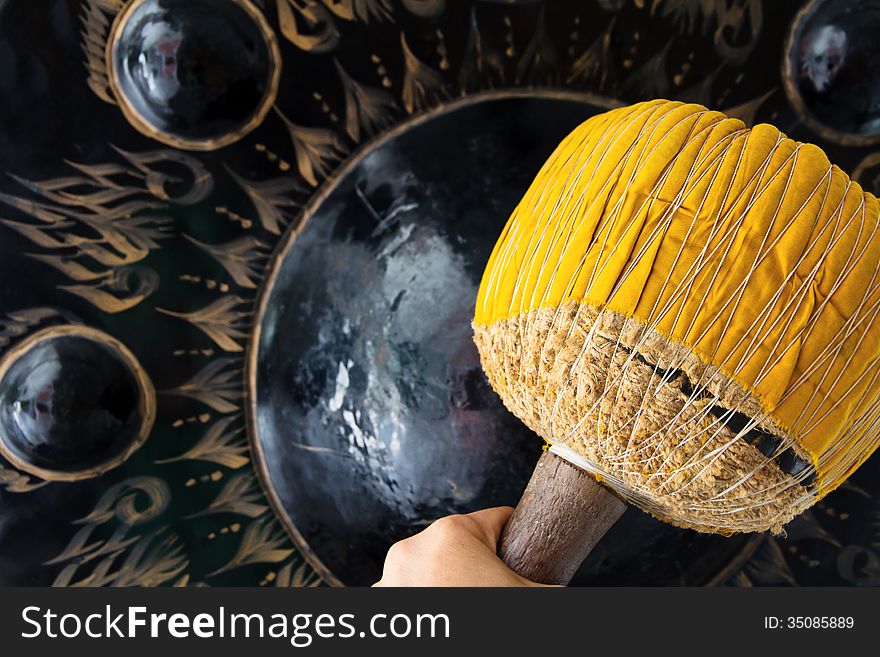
127	555
222	444
222	320
99	223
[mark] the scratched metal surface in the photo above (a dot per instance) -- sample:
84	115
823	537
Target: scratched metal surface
165	250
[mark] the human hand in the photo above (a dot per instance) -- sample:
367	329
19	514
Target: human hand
453	551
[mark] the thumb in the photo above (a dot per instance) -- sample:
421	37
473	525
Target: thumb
491	523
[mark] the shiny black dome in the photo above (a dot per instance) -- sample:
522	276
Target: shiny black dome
832	70
71	405
196	74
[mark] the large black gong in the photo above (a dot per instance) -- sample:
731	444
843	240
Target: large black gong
370	414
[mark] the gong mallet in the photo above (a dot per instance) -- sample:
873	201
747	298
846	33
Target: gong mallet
685	309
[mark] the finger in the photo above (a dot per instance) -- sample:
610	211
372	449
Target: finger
491	523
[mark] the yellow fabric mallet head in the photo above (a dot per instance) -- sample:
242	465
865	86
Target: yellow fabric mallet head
686	309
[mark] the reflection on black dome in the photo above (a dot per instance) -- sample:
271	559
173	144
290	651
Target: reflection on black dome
832	69
73	403
195	74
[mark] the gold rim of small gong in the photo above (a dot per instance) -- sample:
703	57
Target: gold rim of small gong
139	122
146	400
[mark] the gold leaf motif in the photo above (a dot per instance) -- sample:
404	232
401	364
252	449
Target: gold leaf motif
303	576
240	258
344	9
103	300
16	482
317	150
42	235
540	61
650	80
119	501
134	283
19	322
65	577
98	178
264	541
219	445
68	266
181	582
482	67
78	547
158	182
422	85
219	320
689	14
240	495
150	562
270	198
217	385
131	503
80	550
367	110
362	10
112	547
95	18
309	27
107	216
596	65
741	580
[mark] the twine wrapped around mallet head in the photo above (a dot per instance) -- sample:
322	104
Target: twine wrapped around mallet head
687	308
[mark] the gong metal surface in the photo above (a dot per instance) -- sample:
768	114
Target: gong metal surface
371	416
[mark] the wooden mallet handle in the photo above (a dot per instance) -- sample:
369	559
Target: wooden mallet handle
563	513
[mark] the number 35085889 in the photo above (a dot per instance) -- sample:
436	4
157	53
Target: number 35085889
809	622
